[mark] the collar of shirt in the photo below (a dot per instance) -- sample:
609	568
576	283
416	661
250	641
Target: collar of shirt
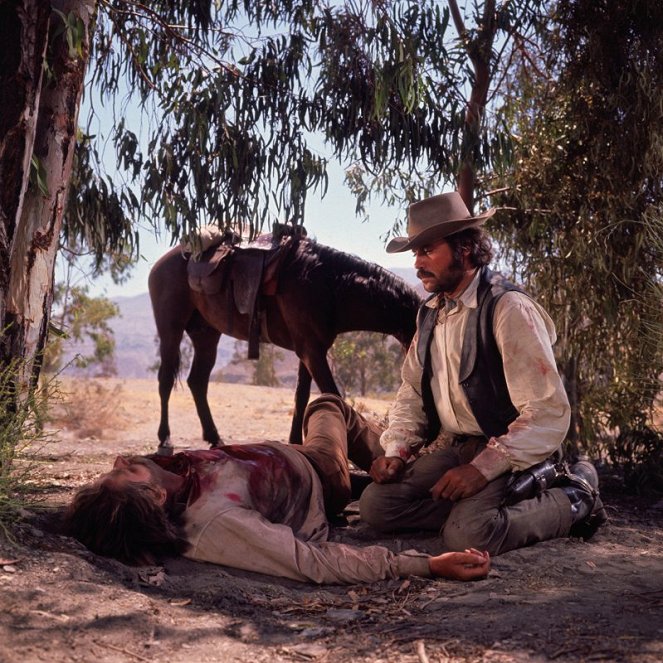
467	298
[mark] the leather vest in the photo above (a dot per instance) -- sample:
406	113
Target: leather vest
481	373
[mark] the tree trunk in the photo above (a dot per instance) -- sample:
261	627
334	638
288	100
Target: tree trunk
41	86
570	376
479	49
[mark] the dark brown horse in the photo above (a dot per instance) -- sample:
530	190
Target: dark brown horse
321	293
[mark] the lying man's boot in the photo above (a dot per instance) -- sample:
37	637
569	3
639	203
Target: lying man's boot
529	483
581	486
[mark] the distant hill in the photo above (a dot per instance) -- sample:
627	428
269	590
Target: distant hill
136	344
135	340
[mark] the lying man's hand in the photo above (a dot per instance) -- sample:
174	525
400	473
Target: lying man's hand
459	482
386	469
468	565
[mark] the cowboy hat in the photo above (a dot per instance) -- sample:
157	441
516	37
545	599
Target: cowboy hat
435	218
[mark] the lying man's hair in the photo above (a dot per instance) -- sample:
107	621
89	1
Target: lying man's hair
125	523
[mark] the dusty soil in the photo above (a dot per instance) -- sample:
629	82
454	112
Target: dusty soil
563	600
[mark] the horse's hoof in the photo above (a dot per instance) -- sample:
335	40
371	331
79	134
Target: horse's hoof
217	445
165	449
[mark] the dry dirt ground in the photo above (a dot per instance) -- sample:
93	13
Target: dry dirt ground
563	600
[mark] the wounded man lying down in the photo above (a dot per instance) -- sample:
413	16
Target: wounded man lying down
257	507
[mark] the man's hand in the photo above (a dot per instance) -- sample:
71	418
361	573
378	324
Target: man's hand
386	469
459	482
468	565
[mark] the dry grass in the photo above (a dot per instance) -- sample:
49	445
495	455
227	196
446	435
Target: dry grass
88	407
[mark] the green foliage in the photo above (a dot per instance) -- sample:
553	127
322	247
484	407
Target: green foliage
264	373
38	175
81	317
586	212
21	432
77	317
262	370
228	112
366	362
101	213
73	31
639	452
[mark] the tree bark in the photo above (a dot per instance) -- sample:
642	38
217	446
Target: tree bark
41	88
569	371
479	50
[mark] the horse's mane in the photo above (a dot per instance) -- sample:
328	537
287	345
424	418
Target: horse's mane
349	271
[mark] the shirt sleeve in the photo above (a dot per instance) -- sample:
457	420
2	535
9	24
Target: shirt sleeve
407	420
244	539
524	334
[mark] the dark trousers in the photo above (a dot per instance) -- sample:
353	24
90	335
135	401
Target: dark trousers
474	522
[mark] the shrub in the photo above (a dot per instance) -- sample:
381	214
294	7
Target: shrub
21	435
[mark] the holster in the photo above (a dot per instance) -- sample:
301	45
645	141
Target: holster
529	483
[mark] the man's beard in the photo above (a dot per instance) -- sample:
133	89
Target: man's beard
448	282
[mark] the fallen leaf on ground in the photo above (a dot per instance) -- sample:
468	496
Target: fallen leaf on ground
179	602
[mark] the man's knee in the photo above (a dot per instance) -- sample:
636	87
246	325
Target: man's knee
375	506
326	401
476	532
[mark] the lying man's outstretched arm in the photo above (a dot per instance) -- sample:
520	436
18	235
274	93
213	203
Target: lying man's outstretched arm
243	538
468	565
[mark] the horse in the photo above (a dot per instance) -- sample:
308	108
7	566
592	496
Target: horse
320	293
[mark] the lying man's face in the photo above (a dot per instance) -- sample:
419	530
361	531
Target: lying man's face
106	515
129	470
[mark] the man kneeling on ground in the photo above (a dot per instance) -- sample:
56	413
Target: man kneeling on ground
257	507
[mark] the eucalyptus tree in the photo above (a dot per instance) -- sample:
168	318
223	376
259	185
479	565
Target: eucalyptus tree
43	50
586	213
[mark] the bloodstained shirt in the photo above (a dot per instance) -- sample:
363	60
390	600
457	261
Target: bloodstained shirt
524	334
259	507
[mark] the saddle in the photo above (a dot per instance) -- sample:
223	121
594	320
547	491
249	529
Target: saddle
241	273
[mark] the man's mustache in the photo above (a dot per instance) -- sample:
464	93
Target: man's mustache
422	273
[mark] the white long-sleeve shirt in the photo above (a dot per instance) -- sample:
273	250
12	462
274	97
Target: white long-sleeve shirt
524	334
259	507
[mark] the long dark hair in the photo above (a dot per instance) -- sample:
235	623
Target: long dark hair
126	523
479	245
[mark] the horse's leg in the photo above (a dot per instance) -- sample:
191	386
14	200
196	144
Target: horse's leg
302	394
169	351
312	365
205	340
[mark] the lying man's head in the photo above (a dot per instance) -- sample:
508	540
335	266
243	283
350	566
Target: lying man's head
122	515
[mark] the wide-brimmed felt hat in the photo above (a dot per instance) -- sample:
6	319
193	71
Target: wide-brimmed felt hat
435	218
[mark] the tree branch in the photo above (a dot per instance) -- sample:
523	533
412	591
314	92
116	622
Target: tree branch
458	20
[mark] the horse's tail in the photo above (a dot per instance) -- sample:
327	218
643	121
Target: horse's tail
170	360
177	368
168	289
